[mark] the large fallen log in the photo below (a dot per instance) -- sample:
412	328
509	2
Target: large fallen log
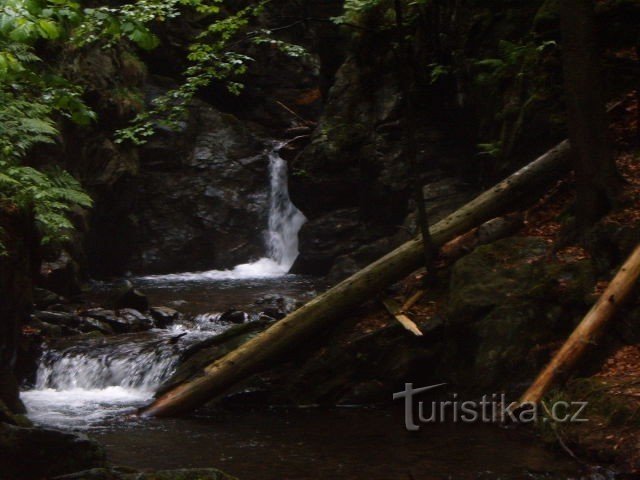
588	331
365	284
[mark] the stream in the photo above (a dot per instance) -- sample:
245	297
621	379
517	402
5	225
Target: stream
94	384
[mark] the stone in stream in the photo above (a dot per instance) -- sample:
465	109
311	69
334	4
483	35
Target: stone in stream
128	297
43	298
56	318
164	316
233	316
124	320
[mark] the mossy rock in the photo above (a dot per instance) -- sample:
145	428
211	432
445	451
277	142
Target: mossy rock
509	301
498	273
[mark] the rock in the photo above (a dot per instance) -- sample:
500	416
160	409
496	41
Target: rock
61	275
164	316
200	200
327	237
90	325
124	320
135	320
506	298
18	419
93	474
48	329
504	270
57	318
233	316
122	474
34	453
43	298
129	297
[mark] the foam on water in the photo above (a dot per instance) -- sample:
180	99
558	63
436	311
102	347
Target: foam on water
81	408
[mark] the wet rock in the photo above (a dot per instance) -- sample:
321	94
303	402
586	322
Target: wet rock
90	325
7	416
57	318
121	321
233	316
134	320
34	453
129	297
164	316
48	329
43	298
201	199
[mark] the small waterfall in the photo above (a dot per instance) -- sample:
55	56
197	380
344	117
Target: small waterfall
285	220
284	223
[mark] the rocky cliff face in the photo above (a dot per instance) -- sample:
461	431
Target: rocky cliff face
198	202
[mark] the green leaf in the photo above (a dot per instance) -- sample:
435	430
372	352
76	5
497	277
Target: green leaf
48	29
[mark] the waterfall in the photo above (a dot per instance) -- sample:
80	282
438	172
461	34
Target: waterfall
284	223
85	384
285	220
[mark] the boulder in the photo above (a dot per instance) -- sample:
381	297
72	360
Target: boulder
129	297
43	298
233	316
164	316
35	453
508	303
200	200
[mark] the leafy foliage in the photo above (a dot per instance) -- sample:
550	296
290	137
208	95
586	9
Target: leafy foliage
35	95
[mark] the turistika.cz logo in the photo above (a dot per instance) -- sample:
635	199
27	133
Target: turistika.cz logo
493	408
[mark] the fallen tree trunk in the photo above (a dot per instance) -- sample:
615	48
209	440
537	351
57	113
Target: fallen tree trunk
363	285
588	331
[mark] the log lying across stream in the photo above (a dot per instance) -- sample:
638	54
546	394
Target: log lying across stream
319	313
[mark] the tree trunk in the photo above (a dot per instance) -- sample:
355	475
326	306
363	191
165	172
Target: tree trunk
597	180
588	331
319	313
405	73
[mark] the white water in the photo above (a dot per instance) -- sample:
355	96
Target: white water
85	385
285	221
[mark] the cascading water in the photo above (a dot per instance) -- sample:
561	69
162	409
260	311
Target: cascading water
82	385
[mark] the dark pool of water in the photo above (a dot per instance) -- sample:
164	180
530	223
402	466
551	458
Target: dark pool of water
315	444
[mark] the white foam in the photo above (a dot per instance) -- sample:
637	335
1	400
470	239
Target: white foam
80	408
